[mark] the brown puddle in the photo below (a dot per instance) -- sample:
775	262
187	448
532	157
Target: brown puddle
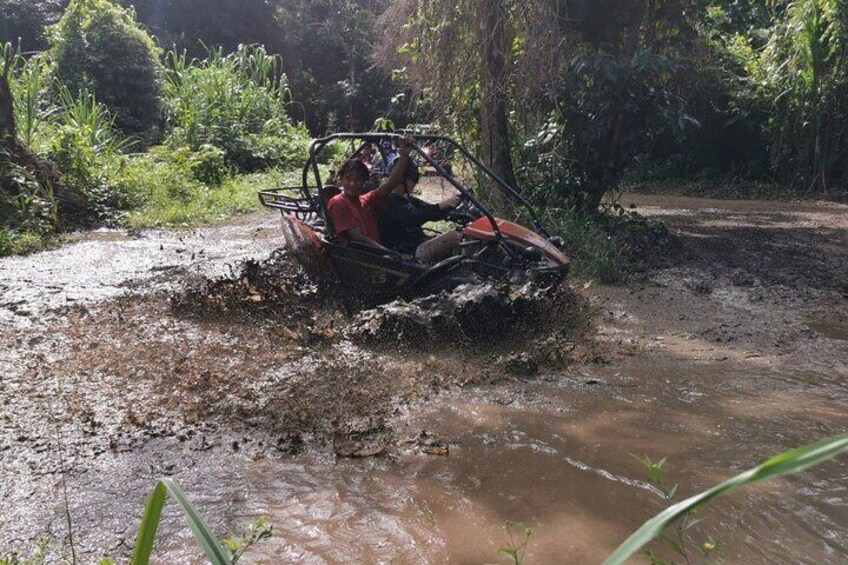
554	454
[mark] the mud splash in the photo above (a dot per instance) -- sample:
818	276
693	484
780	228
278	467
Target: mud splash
489	314
468	313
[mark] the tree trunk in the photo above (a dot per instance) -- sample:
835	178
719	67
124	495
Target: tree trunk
494	127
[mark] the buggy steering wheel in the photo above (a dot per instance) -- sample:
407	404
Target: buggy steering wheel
463	214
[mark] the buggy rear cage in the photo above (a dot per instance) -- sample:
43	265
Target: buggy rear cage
301	208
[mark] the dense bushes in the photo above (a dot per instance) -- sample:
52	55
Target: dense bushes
617	108
596	91
25	21
222	116
804	70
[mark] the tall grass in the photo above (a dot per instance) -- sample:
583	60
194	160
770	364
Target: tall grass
594	252
29	84
174	197
226	114
238	103
803	70
91	121
89	151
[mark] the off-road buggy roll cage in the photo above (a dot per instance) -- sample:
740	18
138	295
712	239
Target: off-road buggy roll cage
269	198
306	223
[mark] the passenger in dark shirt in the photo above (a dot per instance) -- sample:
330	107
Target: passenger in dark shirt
402	216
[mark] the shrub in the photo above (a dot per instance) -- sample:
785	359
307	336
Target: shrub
593	250
615	110
25	20
5	242
32	205
98	47
173	196
803	71
237	103
85	146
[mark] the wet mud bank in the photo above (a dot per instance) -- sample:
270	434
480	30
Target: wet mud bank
412	431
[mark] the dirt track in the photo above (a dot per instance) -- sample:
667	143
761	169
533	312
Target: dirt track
115	374
756	278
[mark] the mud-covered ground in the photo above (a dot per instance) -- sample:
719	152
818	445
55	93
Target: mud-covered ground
127	357
127	347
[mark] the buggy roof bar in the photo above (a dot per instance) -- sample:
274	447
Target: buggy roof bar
502	184
319	144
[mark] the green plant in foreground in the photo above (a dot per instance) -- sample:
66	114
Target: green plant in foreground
258	531
38	558
680	540
517	546
784	464
213	549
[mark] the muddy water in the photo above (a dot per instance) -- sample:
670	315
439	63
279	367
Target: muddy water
728	355
717	358
554	454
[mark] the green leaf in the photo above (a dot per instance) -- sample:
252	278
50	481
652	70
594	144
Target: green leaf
150	523
670	494
691	523
789	462
202	533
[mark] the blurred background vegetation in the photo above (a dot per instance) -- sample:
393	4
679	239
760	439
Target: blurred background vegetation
173	111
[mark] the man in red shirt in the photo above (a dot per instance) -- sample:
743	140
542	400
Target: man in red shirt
352	212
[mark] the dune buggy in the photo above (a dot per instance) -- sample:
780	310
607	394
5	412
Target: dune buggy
492	247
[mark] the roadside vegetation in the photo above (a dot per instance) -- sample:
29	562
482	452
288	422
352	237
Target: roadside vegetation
152	114
202	135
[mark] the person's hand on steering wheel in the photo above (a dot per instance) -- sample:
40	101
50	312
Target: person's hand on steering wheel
464	212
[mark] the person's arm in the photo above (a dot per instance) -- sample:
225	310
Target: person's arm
396	176
426	212
355	234
419	212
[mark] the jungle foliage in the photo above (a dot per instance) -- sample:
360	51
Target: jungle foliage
98	48
601	91
169	150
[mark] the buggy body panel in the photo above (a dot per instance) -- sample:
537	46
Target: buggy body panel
480	229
